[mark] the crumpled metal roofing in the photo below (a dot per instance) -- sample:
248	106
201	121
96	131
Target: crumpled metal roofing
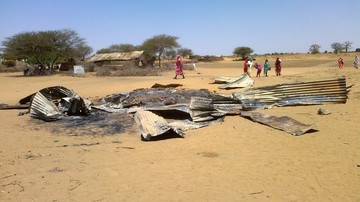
300	93
284	123
115	56
240	82
152	125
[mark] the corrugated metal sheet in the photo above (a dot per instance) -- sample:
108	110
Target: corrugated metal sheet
152	125
52	103
226	79
44	109
115	56
51	93
301	93
284	123
240	82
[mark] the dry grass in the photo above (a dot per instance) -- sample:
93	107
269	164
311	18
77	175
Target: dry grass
138	71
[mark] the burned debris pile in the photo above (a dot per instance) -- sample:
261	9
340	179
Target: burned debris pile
163	109
160	110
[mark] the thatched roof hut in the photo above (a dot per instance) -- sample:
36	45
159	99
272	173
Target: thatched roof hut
117	56
136	58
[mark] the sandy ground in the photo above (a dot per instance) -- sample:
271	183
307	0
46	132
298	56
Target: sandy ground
237	160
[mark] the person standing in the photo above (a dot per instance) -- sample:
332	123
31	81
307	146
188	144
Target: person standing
258	67
246	66
249	64
179	67
266	67
341	63
278	66
356	62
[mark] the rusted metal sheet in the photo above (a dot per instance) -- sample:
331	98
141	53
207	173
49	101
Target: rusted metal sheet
284	123
300	93
152	125
241	82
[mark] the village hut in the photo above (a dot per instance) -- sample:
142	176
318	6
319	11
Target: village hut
119	59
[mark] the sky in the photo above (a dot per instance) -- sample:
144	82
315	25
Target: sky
207	27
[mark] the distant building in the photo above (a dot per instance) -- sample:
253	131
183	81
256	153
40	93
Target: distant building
130	59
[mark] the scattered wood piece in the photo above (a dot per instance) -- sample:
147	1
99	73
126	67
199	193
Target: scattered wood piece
15	183
86	144
81	144
125	147
7	176
259	192
76	185
19	106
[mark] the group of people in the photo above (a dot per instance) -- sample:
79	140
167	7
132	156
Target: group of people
356	62
248	64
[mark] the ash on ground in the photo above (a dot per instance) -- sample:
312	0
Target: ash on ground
97	123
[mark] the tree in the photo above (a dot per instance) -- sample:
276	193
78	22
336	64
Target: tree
82	51
184	52
347	45
338	47
119	48
314	49
159	44
45	48
171	53
243	51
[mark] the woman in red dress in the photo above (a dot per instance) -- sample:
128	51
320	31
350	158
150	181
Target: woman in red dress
246	66
278	67
341	63
179	67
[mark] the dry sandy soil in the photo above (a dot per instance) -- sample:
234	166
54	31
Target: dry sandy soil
236	160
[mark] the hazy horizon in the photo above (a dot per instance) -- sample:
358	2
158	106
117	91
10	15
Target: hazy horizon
206	27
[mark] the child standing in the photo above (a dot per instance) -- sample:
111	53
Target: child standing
258	67
266	67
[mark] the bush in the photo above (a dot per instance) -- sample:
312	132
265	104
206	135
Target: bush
207	58
9	63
